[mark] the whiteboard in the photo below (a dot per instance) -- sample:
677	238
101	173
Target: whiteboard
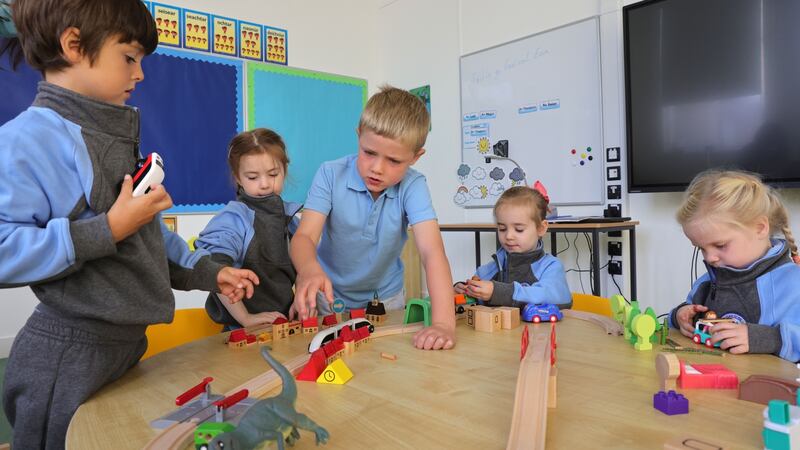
542	94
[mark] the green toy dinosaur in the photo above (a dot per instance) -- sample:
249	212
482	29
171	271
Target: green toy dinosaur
271	419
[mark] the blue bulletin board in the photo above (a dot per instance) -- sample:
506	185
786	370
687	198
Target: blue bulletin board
192	104
315	113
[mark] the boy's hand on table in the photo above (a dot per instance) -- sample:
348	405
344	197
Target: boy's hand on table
236	284
480	289
685	315
733	337
435	337
128	214
307	286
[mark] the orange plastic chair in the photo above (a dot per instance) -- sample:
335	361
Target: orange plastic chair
187	326
592	304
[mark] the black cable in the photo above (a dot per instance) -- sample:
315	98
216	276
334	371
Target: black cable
591	262
577	261
566	239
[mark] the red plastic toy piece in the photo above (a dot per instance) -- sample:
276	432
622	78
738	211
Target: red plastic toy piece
707	376
279	321
193	392
524	344
329	320
316	364
231	400
360	313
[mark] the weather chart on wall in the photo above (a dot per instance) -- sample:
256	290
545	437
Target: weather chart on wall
531	111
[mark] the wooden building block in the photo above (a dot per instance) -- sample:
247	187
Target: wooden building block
509	317
487	319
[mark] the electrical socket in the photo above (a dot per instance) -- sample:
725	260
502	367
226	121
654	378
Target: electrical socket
615	267
614	248
614	192
615	234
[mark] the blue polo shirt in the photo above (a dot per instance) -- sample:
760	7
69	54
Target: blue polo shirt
362	239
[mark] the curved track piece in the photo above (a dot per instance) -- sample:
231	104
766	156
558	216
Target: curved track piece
611	326
175	437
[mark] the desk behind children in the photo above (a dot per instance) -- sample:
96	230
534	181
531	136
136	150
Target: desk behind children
461	398
571	227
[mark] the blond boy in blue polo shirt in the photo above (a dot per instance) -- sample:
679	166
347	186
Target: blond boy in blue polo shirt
358	210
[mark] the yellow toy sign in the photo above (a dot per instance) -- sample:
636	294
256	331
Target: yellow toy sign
337	372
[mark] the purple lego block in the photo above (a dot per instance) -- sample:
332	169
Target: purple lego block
670	403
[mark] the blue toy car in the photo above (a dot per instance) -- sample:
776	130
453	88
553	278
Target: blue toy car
541	313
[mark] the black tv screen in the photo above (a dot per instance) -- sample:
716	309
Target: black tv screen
711	83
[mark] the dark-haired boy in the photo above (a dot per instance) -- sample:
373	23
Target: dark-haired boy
99	260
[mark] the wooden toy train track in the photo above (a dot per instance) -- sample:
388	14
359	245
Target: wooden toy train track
530	400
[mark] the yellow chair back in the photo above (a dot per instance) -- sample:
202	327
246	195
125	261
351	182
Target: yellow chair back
187	326
592	304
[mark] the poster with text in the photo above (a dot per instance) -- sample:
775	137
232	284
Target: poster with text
277	45
196	30
224	38
250	40
168	24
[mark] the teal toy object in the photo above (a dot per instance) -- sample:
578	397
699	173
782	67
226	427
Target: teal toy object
338	305
270	419
418	310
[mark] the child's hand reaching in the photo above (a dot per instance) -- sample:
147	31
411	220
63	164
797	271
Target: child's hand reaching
236	284
733	337
307	286
685	315
460	288
435	337
480	289
128	214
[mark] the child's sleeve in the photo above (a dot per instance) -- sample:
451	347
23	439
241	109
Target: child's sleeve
227	235
698	288
551	287
320	194
488	270
187	269
36	247
417	202
778	330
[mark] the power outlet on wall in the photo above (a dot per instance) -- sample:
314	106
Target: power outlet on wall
615	267
614	248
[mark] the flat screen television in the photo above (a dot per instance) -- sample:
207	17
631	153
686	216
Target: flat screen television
711	83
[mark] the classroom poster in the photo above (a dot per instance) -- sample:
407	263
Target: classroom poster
250	41
168	24
424	94
277	45
224	35
196	30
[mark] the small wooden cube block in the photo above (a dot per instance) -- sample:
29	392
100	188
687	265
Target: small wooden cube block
509	317
487	319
